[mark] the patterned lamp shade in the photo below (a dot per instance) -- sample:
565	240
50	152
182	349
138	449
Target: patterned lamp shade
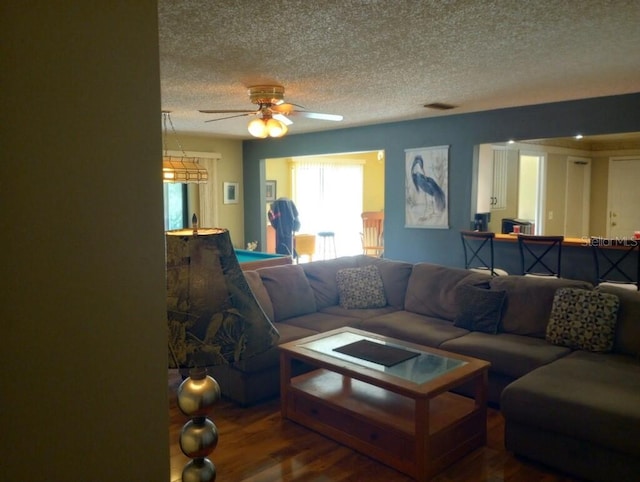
213	315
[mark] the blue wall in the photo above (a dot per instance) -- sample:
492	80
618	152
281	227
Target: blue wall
604	115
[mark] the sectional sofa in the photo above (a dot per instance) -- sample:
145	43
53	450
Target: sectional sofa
572	404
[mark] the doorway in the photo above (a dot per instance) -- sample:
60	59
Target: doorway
325	201
531	185
624	197
328	195
577	201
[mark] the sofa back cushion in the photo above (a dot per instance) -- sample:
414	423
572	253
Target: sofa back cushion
431	290
395	277
289	290
529	301
627	336
260	292
321	276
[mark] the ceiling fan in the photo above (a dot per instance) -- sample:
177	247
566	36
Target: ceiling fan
272	112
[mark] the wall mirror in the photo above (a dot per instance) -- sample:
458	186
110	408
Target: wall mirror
574	187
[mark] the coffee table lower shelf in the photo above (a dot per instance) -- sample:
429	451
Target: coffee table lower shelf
417	436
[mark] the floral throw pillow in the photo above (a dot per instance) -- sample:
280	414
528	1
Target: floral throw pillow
583	319
360	288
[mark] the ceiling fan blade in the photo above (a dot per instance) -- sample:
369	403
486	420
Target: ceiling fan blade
225	111
231	116
319	116
283	118
285	108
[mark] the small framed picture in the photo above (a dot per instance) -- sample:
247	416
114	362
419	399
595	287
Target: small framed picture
231	191
271	190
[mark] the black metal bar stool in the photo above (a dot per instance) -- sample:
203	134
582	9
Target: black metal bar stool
328	241
541	255
614	263
478	252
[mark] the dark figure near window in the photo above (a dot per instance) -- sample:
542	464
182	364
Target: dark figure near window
283	216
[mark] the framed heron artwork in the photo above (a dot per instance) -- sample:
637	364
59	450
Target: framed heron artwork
427	187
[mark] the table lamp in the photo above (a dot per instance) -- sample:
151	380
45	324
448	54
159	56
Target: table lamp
213	319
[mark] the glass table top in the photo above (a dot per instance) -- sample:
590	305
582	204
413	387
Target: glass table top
420	368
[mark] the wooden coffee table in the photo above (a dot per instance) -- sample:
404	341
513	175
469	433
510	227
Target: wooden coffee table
402	415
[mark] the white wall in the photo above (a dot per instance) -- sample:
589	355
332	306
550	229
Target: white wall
84	377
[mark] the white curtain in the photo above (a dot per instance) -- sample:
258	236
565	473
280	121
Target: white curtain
208	194
328	195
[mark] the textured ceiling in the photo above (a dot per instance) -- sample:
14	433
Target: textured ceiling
376	61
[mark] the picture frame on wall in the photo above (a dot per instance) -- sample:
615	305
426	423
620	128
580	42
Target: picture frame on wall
427	187
270	190
231	192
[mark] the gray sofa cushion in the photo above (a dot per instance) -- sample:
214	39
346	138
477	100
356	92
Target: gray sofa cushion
431	290
395	277
409	326
627	339
323	321
360	314
289	291
260	292
322	279
589	396
529	302
271	357
511	355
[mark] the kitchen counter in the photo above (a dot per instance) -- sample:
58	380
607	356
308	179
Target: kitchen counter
584	242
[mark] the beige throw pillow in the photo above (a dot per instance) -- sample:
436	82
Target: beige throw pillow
583	319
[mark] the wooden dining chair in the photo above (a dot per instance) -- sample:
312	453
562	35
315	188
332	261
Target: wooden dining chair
304	245
614	263
478	252
540	255
372	233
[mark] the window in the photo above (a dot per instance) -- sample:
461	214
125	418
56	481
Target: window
328	195
175	205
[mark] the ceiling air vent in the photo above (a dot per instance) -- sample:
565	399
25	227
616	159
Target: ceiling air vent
439	106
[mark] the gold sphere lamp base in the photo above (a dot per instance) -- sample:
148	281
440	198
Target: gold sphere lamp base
197	395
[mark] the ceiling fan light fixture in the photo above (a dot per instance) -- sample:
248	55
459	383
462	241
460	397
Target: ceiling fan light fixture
266	94
257	128
271	127
275	128
272	113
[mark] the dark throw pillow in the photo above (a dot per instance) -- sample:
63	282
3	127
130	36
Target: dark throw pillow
583	319
479	309
360	288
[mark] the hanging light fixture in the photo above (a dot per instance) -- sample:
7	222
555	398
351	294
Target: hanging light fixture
270	121
267	126
258	128
180	169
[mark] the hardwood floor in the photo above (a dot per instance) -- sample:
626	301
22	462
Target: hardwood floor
256	445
